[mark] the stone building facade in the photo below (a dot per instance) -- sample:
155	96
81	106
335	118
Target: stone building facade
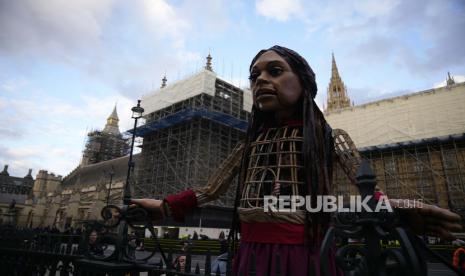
14	192
64	202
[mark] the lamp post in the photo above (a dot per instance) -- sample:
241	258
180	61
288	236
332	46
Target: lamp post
123	227
136	115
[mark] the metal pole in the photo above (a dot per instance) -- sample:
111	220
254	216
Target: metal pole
123	227
109	186
127	191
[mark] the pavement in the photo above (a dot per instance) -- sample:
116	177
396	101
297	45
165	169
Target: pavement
439	269
434	269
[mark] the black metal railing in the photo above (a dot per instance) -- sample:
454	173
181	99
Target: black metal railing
98	250
373	229
27	252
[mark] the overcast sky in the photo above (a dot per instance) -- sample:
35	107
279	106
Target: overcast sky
65	64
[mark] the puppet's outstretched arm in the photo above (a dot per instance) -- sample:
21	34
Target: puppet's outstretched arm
218	183
427	219
348	156
178	205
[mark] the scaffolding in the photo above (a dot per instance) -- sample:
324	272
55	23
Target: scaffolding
102	146
429	169
184	143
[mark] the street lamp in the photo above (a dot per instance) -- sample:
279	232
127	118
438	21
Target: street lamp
137	111
136	115
123	240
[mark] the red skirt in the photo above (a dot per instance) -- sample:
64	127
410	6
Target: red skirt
295	259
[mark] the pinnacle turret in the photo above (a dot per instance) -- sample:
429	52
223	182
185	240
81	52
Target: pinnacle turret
208	66
29	174
334	71
5	171
337	91
163	81
112	123
450	80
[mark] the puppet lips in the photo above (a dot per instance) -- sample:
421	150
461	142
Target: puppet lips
265	92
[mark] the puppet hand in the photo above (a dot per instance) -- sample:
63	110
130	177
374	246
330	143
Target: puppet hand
428	219
153	206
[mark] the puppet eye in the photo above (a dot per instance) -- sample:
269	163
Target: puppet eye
275	71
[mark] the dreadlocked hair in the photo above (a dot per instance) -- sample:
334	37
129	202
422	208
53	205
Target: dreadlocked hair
250	136
318	149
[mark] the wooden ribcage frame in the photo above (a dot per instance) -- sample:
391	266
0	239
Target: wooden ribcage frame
274	163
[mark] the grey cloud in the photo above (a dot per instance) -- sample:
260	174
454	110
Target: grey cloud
12	121
16	167
378	46
8	132
53	29
103	38
438	25
211	18
441	26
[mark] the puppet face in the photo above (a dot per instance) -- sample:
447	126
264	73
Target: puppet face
274	85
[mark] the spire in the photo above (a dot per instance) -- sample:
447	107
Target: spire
334	71
114	114
450	80
209	63
163	81
337	91
112	123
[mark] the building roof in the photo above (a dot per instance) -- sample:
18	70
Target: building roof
404	97
419	142
12	187
201	82
6	179
94	173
